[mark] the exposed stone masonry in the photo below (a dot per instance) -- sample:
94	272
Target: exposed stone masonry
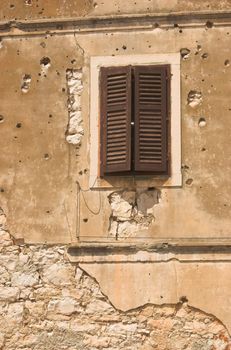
132	211
48	303
75	130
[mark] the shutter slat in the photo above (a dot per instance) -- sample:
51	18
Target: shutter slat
115	120
151	116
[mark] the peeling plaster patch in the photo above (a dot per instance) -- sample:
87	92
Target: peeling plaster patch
194	98
185	53
132	211
75	130
26	81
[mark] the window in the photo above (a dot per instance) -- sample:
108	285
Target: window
134	125
132	178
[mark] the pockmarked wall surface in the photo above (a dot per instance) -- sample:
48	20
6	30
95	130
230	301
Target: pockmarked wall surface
84	262
45	151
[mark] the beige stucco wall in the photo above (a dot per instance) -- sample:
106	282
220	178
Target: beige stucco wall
40	194
44	180
32	9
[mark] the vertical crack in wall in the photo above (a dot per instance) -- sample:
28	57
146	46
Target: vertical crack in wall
75	130
132	211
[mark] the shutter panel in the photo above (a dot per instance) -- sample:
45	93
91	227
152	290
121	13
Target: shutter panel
151	117
115	120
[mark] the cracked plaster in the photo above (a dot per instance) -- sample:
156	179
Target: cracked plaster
65	306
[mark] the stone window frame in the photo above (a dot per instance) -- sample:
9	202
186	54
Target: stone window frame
175	178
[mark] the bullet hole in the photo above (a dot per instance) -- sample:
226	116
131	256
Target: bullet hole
185	167
124	47
18	52
1	119
63	89
85	220
43	44
18	125
48	211
95	5
203	149
28	2
2	190
183	299
117	49
20	161
227	63
73	61
50	115
46	156
180	31
85	171
12	6
205	55
45	61
57	72
202	80
156	25
26	81
202	122
209	24
184	53
175	25
161	297
189	182
80	172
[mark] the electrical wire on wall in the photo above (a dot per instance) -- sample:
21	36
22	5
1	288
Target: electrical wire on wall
80	192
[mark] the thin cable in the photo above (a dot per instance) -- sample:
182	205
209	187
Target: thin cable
85	201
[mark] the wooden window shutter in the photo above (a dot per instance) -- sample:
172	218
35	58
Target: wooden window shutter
115	128
151	119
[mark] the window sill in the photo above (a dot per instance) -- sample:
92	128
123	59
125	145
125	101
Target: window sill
141	181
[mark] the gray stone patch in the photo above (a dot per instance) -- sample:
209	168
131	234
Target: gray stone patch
75	130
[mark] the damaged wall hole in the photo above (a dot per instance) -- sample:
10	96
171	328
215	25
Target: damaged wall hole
2	119
202	122
185	53
194	98
132	211
26	82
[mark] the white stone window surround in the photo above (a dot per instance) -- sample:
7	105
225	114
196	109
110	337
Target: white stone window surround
175	179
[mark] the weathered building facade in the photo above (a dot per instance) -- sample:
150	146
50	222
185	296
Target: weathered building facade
113	262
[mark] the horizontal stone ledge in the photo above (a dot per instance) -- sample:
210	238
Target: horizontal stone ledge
117	22
158	252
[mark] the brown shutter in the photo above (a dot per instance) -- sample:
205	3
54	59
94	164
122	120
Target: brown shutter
115	123
151	118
